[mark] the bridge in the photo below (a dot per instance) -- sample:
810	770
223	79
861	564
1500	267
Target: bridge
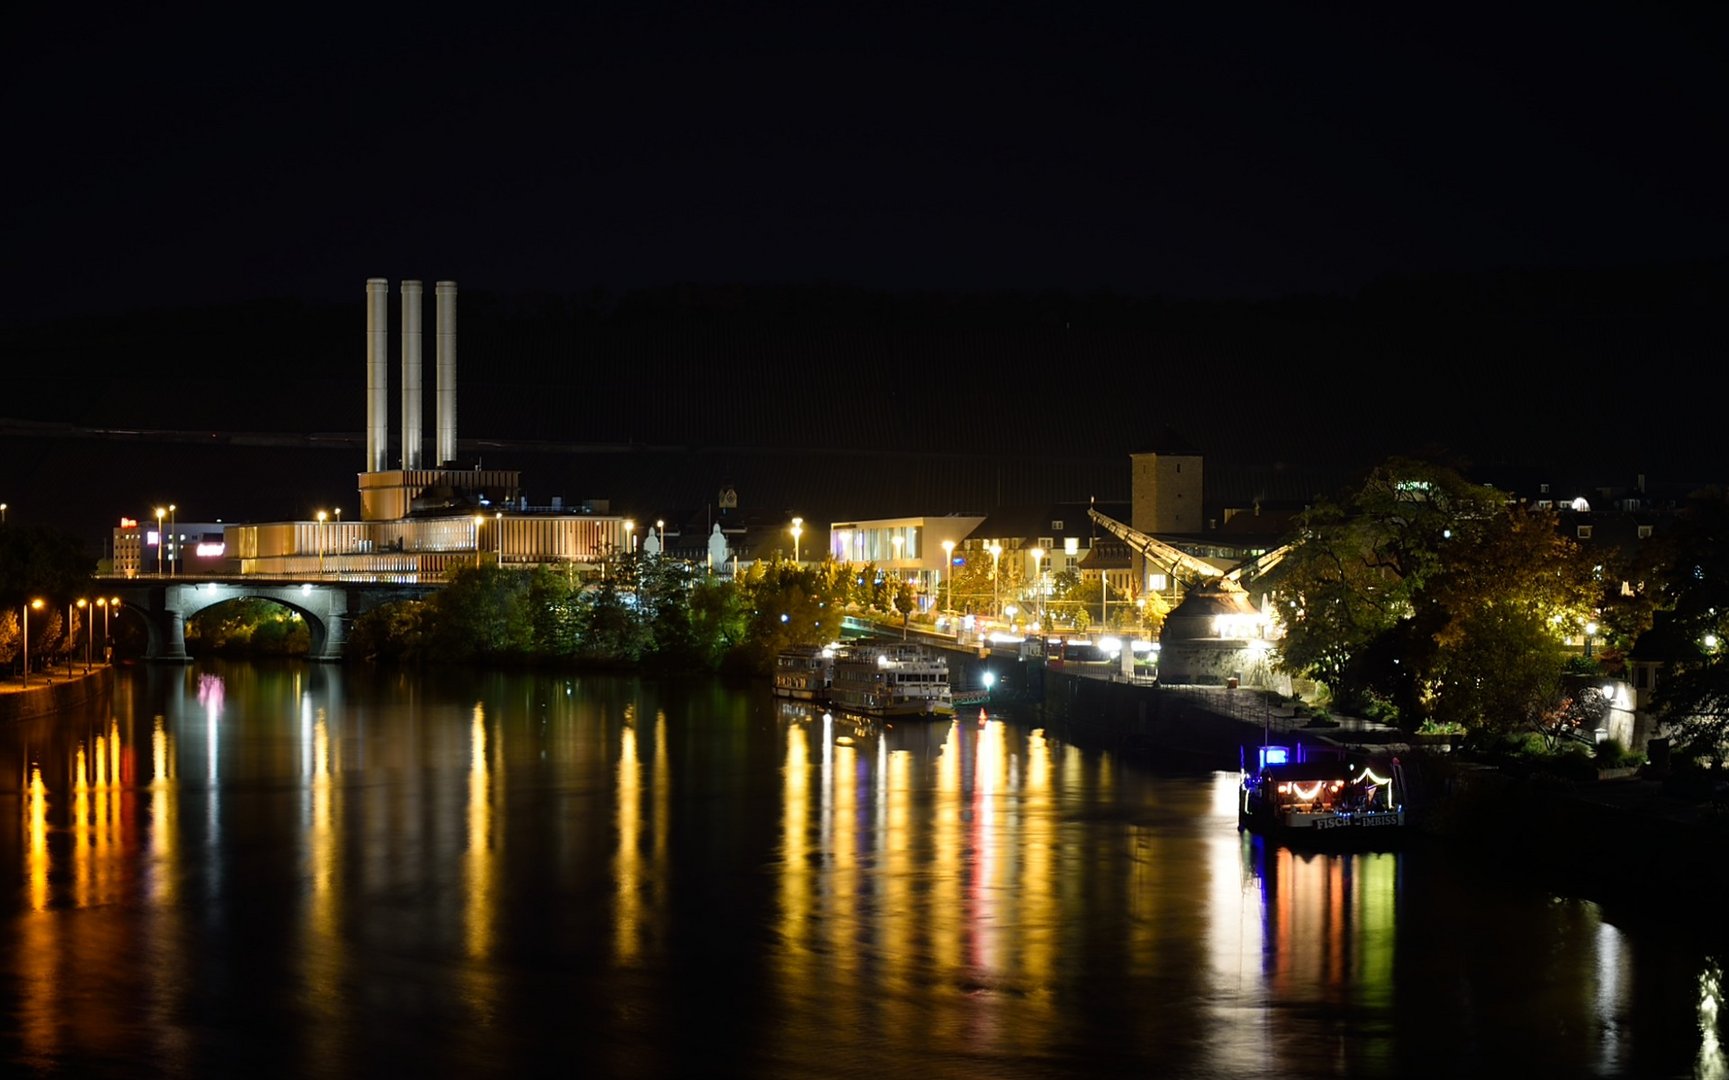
327	607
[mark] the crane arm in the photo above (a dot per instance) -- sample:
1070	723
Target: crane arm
1260	564
1175	561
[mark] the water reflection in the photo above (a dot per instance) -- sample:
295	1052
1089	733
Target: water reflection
329	869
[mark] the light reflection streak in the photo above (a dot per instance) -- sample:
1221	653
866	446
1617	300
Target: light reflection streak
164	829
1041	906
1610	989
37	866
40	991
627	863
951	857
795	869
482	880
1711	1063
841	900
81	856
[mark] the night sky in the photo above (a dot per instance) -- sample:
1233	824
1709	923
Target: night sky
167	161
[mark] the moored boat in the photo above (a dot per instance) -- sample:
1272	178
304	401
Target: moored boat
891	679
804	672
1321	798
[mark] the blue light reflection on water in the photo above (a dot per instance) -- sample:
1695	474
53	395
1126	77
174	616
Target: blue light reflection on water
320	870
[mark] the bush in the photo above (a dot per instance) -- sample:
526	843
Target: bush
1610	754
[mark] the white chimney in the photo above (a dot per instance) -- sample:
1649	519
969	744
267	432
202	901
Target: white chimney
411	395
377	374
445	291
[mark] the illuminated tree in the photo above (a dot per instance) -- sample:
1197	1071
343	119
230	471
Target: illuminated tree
1434	597
1692	696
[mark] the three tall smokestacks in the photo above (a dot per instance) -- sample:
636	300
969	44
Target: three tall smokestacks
378	374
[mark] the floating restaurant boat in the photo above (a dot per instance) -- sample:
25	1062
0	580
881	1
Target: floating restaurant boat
804	672
891	679
1321	798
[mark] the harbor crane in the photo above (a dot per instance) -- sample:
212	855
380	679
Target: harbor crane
1189	570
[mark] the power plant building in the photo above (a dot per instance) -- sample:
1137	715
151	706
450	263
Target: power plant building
418	521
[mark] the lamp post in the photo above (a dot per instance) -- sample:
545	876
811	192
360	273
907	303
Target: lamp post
949	567
630	535
479	520
1039	581
2	513
898	541
89	636
996	551
498	534
161	542
1590	632
321	543
37	604
70	641
102	602
173	545
660	535
797	529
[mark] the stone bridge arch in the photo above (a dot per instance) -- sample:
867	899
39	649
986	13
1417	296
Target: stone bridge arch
327	609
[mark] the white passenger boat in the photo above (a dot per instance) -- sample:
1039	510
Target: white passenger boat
891	679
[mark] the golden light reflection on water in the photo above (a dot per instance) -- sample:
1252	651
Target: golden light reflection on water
164	814
943	885
482	884
642	816
916	854
627	862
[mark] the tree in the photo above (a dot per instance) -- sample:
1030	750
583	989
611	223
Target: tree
788	605
1435	596
39	561
482	613
1693	695
393	631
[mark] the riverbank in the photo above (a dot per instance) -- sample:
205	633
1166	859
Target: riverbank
49	694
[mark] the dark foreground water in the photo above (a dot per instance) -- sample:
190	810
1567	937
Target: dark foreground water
237	870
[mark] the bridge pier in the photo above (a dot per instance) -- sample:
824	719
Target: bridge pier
171	649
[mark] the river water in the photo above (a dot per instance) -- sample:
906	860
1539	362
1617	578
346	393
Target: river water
297	870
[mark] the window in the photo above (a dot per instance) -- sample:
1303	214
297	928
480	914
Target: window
1584	532
1056	527
1641	677
1644	532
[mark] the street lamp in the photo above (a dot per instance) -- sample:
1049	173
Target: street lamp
321	543
797	530
949	566
996	551
161	542
479	520
660	534
498	533
1590	632
2	513
630	534
37	604
70	641
89	635
897	541
1039	580
102	602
